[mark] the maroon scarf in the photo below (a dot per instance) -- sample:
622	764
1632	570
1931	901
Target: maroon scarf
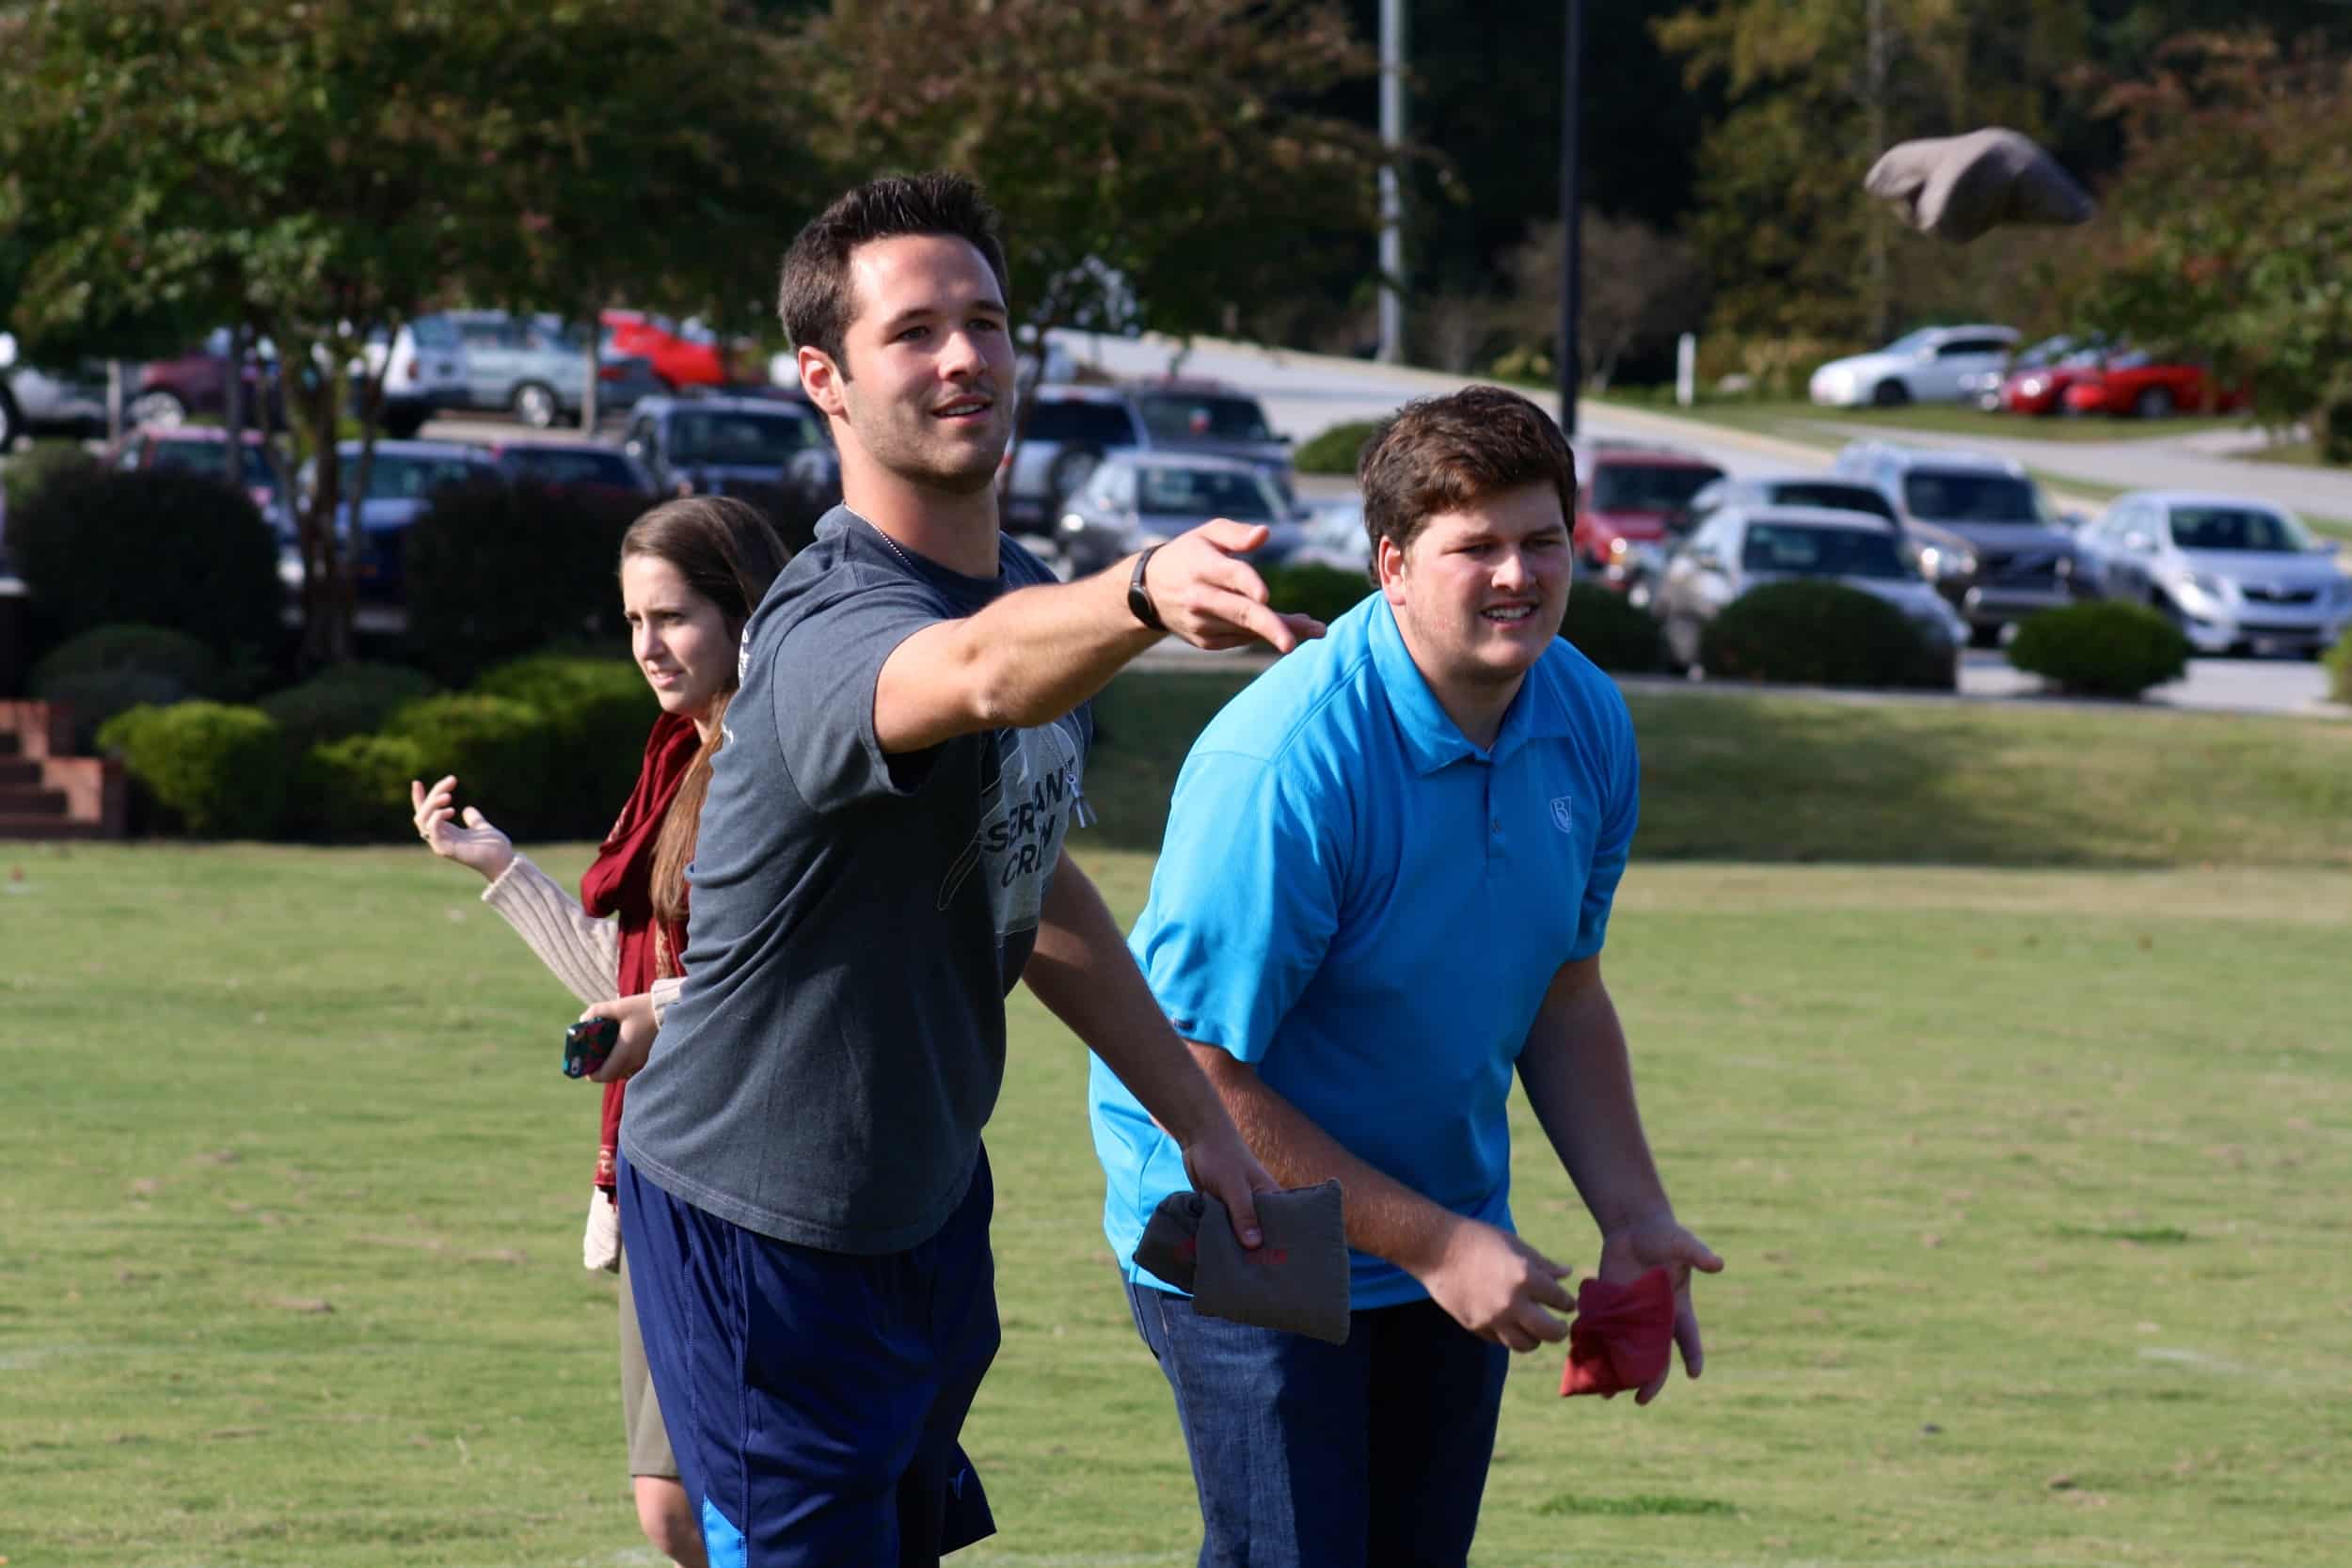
621	883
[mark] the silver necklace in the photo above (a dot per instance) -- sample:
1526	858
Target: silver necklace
905	559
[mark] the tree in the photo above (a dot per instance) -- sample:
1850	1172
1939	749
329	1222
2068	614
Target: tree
2256	271
1641	290
321	176
1158	163
1817	89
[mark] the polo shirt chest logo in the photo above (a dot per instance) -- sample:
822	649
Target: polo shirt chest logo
1564	812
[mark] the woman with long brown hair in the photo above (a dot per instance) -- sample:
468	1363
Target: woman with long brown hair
691	572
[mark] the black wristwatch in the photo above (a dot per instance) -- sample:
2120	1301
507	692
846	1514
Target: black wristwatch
1139	597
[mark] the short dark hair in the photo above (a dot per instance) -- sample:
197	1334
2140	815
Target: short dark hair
1443	454
814	300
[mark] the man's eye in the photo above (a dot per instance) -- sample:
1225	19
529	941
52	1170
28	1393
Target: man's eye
912	333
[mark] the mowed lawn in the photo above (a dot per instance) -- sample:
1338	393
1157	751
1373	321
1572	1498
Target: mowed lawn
2032	1185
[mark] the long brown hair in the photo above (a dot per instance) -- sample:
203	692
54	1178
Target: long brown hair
727	554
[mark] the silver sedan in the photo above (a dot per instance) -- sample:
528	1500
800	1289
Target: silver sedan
2235	575
1135	500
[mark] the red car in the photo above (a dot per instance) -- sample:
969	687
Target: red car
2132	385
1628	497
202	450
197	382
680	357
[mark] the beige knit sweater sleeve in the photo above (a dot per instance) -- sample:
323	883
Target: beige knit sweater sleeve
580	950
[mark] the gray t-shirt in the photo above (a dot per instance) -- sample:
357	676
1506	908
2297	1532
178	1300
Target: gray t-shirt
856	920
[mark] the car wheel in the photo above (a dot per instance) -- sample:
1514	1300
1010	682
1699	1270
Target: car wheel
160	408
1071	469
1985	636
2154	402
11	422
534	404
1890	393
401	423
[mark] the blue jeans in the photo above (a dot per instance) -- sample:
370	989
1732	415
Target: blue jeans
1310	1455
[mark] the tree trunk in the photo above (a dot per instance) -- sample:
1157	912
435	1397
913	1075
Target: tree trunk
591	412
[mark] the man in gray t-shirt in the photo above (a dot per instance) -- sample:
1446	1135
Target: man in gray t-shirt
804	1192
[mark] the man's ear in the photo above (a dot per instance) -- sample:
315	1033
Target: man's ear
1388	564
820	378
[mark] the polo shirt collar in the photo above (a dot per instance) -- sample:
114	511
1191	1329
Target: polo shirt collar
1432	739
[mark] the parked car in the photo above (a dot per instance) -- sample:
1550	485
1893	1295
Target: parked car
572	465
1223	421
1926	366
1623	507
682	356
1135	500
2139	386
537	370
770	451
198	382
2036	379
1065	432
402	481
1939	554
1743	547
202	450
2235	575
424	371
2024	556
1331	533
48	401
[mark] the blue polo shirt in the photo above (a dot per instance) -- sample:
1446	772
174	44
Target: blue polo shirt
1369	909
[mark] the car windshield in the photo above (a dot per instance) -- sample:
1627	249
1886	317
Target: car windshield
1809	551
1838	498
1910	343
1649	487
1102	424
2237	528
699	435
1205	493
211	457
1172	418
1951	496
397	477
570	465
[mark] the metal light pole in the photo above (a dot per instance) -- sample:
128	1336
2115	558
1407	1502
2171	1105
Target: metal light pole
1571	217
1391	197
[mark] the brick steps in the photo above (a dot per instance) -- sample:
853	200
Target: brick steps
47	794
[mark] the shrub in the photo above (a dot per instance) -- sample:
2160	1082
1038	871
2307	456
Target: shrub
219	770
2103	648
355	789
159	547
1817	634
343	700
1612	633
599	709
498	570
502	752
1326	593
2340	670
1335	450
34	467
111	669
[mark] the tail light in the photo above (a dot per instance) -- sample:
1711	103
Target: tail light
607	373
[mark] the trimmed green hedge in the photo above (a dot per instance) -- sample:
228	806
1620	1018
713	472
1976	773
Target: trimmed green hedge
1804	633
159	547
343	700
1326	593
1335	450
355	789
111	669
598	710
1602	626
502	752
2103	648
219	770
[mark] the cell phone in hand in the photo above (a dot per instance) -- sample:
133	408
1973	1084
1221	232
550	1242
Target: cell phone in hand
587	1043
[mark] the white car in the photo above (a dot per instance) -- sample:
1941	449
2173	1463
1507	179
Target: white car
2232	574
427	372
1929	365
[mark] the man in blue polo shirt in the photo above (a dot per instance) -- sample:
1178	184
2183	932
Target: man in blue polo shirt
1384	889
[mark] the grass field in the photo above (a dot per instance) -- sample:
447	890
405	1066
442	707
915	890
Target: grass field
2030	1182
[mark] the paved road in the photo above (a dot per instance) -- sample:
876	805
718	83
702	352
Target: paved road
1304	394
